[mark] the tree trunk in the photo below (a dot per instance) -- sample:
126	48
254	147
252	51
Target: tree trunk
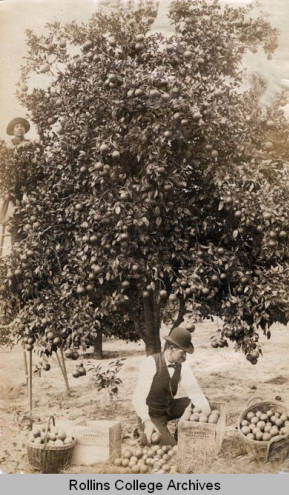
152	325
98	345
152	343
180	317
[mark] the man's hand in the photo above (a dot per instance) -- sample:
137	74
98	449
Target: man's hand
149	428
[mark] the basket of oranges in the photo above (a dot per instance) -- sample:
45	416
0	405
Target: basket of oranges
261	424
50	449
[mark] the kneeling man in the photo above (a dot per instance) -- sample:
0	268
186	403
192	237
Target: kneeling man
159	378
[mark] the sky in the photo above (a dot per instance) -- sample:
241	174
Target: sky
18	15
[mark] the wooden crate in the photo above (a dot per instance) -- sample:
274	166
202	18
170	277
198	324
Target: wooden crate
198	442
97	441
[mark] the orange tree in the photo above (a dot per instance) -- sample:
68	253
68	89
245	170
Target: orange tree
157	185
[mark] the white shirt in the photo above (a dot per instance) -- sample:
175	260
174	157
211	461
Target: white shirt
188	382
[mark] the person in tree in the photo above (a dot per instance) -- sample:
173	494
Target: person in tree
17	128
159	378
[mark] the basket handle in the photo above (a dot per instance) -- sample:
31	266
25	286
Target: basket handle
254	400
51	418
278	438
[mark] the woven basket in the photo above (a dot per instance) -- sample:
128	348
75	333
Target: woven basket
49	458
259	449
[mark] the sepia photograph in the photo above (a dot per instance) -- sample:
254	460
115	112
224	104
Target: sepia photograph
144	228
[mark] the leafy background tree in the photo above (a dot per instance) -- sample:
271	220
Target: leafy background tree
159	187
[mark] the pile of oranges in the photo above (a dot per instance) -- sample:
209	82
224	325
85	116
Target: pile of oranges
153	459
262	426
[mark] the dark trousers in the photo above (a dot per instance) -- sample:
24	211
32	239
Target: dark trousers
176	410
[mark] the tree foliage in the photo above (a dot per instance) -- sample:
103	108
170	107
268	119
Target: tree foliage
159	184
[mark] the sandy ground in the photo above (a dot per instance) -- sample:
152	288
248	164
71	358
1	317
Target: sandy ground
223	374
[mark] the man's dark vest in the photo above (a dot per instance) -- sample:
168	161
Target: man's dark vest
163	388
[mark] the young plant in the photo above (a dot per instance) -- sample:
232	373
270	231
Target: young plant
107	377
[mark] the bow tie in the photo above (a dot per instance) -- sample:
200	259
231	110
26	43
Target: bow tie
172	365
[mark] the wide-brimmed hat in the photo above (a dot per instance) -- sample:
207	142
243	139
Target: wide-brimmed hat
18	120
181	337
